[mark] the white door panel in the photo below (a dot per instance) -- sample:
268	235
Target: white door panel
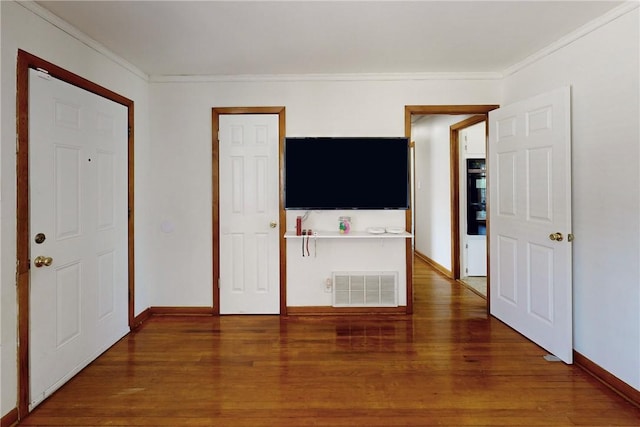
78	201
530	200
249	205
476	255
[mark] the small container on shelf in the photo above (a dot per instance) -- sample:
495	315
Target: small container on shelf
344	225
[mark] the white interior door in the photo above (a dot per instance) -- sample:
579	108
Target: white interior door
249	207
530	201
78	230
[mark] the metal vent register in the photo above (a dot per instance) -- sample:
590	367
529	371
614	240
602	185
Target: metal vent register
365	289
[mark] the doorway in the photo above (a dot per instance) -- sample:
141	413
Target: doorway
449	261
470	136
245	226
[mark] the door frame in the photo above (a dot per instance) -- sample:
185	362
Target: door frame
454	140
216	112
27	61
454	177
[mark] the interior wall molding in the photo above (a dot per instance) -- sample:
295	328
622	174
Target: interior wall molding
322	77
440	268
72	31
581	32
607	378
10	418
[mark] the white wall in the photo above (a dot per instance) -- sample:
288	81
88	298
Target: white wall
173	168
433	186
602	69
21	28
181	158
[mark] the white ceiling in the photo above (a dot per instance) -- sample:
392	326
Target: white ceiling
210	38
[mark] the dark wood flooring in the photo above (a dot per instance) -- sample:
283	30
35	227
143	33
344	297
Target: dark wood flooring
449	364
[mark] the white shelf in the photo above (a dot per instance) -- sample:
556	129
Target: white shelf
351	235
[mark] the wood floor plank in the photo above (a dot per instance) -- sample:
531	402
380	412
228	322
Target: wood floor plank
447	364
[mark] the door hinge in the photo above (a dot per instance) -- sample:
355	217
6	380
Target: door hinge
129	131
43	74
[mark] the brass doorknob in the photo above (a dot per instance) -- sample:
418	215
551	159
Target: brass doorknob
556	236
273	224
43	261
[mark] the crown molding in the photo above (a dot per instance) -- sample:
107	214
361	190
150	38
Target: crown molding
581	32
322	77
72	31
586	29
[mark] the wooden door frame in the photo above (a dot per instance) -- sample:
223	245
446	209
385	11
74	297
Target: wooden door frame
454	141
27	61
454	176
216	112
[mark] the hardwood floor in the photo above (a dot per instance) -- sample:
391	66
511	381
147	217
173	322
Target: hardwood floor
448	364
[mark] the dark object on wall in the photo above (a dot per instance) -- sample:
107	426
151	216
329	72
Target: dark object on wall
476	197
346	173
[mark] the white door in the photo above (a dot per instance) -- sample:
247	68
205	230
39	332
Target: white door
530	214
249	208
78	230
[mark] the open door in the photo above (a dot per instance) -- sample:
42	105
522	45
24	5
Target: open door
530	213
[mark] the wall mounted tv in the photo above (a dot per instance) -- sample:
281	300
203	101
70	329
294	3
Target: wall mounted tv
346	173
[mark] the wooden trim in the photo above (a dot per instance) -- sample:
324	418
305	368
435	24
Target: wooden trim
605	377
215	207
181	311
454	150
409	111
215	158
343	311
10	418
473	120
441	269
449	109
140	319
131	216
408	219
454	197
488	223
22	231
282	217
25	62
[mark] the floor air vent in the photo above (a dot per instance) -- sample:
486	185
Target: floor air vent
365	289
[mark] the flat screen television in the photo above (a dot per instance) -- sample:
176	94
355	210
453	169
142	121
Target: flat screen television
346	173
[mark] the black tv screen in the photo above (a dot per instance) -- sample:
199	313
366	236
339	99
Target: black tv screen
346	173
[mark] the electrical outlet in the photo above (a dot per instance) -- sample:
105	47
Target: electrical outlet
328	286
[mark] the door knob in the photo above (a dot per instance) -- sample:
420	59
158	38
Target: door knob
273	224
556	236
43	261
